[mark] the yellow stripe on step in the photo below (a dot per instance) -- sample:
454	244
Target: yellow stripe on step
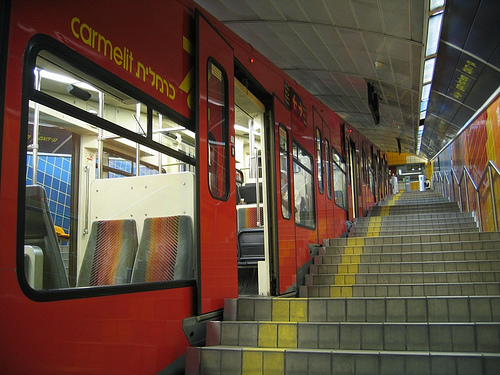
373	229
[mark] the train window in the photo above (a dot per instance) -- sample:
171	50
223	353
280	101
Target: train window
110	190
218	131
175	136
319	160
73	86
328	171
303	187
339	180
284	173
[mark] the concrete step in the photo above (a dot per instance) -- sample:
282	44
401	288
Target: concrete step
413	209
473	249
398	275
475	259
350	264
423	239
431	217
416	222
402	290
235	361
369	309
436	336
377	231
412	201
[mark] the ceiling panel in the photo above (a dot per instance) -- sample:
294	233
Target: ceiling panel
341	13
315	11
367	14
396	17
418	9
265	10
479	41
241	9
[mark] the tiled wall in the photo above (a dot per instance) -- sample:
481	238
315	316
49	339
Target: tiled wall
54	174
394	158
128	166
479	143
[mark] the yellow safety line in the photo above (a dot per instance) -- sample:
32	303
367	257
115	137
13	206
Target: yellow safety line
259	361
373	228
347	270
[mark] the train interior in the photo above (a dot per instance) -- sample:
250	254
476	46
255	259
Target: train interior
251	204
113	210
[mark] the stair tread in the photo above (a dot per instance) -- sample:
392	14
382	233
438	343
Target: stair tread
351	351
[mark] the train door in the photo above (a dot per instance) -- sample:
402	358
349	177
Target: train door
217	262
320	175
285	264
252	214
353	178
330	222
324	204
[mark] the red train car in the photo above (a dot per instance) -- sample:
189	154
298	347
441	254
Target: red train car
152	165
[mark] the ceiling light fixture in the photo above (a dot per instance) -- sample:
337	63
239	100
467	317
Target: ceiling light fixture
434	24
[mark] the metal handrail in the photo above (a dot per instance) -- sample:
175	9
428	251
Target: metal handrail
444	187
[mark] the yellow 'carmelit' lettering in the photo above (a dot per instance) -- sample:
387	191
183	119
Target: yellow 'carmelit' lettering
124	58
121	56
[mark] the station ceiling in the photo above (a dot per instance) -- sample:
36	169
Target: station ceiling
335	47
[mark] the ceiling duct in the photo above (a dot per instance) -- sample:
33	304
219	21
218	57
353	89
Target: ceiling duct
373	103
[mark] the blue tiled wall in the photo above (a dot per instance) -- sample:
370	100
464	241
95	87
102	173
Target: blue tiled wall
128	166
54	174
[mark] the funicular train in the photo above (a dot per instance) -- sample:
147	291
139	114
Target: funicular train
152	165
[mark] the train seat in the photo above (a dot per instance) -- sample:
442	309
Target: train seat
165	250
110	253
248	193
246	216
250	246
39	234
250	236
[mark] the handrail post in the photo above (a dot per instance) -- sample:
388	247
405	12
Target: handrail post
460	196
493	199
467	193
480	217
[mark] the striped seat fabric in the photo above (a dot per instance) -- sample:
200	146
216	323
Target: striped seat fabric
110	253
165	250
247	216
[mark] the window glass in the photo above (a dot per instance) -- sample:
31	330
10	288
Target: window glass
174	136
80	89
319	160
284	173
103	196
328	171
339	180
303	187
218	169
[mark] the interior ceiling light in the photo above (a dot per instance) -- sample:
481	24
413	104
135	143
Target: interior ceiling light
426	91
429	70
435	21
433	33
435	4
